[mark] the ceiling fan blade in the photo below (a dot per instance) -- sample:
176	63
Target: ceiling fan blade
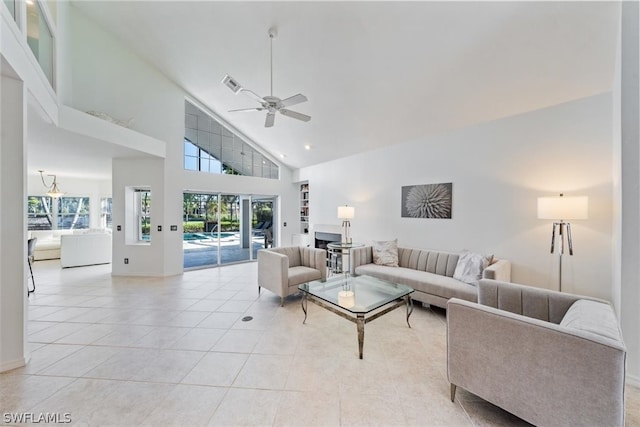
295	115
293	100
244	110
254	96
270	119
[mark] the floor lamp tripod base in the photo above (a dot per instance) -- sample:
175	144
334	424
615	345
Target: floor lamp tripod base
561	226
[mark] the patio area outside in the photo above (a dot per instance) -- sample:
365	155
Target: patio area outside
203	250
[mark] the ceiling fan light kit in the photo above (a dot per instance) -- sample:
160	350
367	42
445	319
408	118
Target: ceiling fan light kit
272	104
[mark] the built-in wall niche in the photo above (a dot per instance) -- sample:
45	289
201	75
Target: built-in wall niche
137	227
304	208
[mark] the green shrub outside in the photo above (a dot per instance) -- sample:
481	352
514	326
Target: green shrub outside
193	227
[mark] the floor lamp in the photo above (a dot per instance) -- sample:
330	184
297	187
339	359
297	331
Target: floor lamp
561	209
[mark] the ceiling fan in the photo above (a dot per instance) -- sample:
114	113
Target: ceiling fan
271	104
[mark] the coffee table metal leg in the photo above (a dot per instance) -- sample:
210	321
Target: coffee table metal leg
360	326
409	303
304	306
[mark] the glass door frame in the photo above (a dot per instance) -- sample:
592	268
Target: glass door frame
251	200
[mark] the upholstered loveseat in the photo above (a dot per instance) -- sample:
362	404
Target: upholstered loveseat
551	358
282	269
429	272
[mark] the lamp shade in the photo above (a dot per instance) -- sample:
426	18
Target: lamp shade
561	208
346	212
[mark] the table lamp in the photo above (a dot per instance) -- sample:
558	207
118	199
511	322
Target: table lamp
345	213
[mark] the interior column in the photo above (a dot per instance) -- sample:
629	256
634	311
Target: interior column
13	214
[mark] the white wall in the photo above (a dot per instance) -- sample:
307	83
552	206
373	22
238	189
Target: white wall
109	78
498	170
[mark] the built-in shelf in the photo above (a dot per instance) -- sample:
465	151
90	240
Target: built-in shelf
304	208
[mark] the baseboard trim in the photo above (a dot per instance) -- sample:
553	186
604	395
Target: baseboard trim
13	364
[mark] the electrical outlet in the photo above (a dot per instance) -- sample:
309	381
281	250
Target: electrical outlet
159	228
126	260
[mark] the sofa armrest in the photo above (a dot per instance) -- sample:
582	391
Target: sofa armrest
539	371
499	270
273	271
360	256
320	256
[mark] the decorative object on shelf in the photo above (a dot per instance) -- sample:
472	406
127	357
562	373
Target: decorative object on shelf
345	213
559	209
427	201
108	118
54	191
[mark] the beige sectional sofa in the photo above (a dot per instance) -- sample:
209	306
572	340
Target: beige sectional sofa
551	358
429	272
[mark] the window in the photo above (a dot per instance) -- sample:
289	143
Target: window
211	147
142	200
73	213
40	38
105	213
39	213
11	5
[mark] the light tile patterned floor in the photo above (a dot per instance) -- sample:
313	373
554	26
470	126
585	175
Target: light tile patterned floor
175	351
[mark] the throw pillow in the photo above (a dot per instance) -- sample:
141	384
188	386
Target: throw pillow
385	253
470	267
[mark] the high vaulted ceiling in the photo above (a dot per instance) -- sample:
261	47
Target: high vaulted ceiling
375	73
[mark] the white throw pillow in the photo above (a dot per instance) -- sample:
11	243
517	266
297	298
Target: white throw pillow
470	267
385	253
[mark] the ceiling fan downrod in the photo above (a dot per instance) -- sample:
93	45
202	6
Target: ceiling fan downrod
273	32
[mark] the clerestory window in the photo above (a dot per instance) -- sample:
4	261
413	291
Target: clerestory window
210	147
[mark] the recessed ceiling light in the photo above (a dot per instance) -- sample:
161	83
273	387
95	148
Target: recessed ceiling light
307	146
282	156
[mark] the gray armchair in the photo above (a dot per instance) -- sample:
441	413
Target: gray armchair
282	269
551	358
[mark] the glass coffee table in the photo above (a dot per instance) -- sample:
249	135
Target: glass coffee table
360	299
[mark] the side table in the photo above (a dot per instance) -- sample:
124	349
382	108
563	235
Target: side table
339	255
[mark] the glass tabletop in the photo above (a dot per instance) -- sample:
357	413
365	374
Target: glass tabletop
357	294
340	245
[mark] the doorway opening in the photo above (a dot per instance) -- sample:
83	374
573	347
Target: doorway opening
221	229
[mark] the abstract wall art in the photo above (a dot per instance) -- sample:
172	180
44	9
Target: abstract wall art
427	201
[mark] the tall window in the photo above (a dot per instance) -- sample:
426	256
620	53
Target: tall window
210	147
143	214
105	212
39	213
40	38
73	213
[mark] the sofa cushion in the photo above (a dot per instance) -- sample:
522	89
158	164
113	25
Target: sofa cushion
592	316
301	274
385	253
437	262
470	267
430	283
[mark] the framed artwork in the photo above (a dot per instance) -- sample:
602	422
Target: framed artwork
427	201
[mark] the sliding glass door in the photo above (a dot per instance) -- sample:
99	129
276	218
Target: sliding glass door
225	228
